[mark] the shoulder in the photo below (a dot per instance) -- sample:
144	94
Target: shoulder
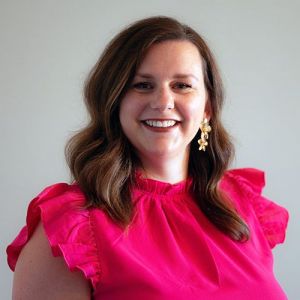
59	193
248	181
243	186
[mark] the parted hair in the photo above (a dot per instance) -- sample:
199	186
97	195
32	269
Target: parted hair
100	157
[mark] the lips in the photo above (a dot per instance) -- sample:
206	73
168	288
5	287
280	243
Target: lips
160	123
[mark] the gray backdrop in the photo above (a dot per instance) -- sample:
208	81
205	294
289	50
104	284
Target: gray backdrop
47	48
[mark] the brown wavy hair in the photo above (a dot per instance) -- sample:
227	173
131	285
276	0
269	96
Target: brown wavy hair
101	159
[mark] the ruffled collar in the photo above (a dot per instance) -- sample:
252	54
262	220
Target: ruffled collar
162	188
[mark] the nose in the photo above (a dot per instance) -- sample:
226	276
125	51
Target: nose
163	99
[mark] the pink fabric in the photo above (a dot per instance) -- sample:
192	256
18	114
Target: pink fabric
171	250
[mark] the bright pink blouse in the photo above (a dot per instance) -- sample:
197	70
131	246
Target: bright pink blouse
171	250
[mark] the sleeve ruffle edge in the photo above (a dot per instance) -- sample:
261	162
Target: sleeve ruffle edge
272	217
67	227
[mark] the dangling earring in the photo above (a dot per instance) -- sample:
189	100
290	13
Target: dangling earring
205	129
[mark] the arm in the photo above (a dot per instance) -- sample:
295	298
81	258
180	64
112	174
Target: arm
39	275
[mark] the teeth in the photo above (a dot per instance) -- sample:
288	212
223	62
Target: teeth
166	123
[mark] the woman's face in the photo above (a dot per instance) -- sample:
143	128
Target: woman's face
162	110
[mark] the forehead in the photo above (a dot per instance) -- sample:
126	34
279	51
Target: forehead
178	56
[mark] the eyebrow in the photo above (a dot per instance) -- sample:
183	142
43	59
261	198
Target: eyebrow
177	76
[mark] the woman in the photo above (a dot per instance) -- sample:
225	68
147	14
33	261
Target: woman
153	212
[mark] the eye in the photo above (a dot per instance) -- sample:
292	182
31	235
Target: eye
143	85
182	86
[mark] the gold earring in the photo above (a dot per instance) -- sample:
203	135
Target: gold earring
205	129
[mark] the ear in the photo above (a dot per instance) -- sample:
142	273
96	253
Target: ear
207	110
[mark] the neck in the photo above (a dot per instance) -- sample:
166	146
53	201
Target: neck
171	169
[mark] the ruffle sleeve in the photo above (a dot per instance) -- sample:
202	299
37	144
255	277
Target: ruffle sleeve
272	217
67	226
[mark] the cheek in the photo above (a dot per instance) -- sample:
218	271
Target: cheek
194	110
125	105
129	111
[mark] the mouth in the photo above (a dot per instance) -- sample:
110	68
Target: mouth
160	123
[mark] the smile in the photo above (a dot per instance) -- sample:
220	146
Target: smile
160	123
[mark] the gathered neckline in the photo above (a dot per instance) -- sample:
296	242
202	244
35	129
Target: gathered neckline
158	187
